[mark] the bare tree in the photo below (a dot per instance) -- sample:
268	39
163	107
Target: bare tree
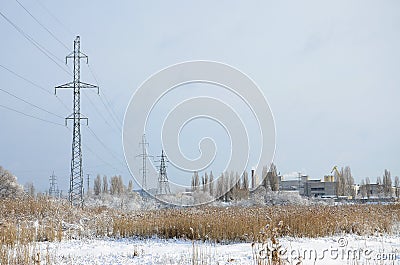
211	184
230	186
205	182
340	182
105	184
8	184
195	182
272	177
245	182
265	181
242	189
344	182
121	184
220	187
379	186
348	182
130	186
235	186
368	186
97	185
397	186
226	186
30	189
387	183
363	189
117	185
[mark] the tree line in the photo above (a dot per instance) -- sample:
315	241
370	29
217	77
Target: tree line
232	185
113	187
383	187
228	186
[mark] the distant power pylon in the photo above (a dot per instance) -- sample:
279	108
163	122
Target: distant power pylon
144	157
75	194
163	185
53	190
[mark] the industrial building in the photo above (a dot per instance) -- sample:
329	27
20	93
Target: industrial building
310	187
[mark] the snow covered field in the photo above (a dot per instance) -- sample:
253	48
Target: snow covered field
348	249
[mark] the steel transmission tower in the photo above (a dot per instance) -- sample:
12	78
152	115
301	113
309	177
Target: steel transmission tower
144	157
163	185
53	190
75	194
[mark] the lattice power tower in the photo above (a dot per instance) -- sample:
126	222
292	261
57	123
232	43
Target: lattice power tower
144	157
163	185
75	194
53	190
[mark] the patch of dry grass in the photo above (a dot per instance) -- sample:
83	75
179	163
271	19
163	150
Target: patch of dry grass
25	221
243	224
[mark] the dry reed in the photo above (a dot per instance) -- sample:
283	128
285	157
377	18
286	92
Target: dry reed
25	221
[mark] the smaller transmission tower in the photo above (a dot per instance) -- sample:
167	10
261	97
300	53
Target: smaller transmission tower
163	185
144	157
53	190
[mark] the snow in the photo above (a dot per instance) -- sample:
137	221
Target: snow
348	249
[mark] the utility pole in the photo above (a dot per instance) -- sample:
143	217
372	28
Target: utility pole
53	190
75	195
163	185
144	157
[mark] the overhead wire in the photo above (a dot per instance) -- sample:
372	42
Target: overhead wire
31	104
117	124
55	17
105	147
43	26
107	107
31	116
96	155
34	84
46	52
59	124
112	117
50	55
100	158
98	111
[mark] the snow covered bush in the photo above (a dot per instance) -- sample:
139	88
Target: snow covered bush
9	186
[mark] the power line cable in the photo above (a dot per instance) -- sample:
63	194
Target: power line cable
105	147
108	107
43	26
31	116
33	84
97	110
100	158
31	104
46	52
55	18
116	122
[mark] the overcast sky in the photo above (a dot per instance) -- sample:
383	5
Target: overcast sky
329	70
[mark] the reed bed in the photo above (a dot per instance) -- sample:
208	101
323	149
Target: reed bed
239	224
26	221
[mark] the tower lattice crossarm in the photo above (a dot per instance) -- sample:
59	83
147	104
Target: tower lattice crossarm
75	194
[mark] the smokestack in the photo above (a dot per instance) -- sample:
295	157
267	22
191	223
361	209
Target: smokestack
253	178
